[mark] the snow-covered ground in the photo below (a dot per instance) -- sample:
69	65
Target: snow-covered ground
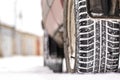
23	64
31	68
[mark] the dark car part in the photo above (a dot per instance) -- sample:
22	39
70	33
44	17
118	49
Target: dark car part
104	8
53	54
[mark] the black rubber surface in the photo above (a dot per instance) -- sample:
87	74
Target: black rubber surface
97	42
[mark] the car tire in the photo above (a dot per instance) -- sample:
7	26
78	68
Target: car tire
96	47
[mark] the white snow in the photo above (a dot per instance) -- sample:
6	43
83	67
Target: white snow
23	64
31	68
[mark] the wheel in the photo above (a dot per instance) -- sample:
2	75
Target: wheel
52	54
91	45
69	35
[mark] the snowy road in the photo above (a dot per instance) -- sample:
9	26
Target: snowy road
31	68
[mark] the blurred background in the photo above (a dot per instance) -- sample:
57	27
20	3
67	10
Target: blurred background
20	27
21	36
